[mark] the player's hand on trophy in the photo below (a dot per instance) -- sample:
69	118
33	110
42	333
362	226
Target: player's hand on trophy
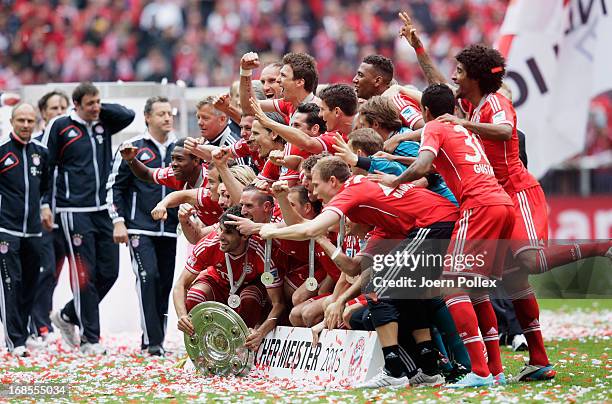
159	212
250	61
184	324
128	152
120	233
254	340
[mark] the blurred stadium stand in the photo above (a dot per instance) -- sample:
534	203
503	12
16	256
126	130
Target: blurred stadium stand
200	43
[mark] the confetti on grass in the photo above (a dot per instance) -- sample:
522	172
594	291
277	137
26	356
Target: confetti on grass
578	342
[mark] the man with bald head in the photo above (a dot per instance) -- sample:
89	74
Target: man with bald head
23	180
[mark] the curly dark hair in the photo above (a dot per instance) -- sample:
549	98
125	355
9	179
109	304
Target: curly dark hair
485	65
304	67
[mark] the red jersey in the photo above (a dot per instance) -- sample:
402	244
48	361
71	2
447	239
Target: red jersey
207	210
287	109
396	210
461	160
207	254
292	150
328	139
241	149
165	176
271	172
503	155
410	110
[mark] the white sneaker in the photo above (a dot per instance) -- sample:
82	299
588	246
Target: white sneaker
88	348
33	342
519	343
66	329
20	352
51	337
383	379
423	379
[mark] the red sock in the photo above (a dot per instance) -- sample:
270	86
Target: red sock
528	315
194	297
554	256
462	311
487	321
252	303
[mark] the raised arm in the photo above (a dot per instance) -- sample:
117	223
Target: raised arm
408	31
116	117
141	171
249	62
289	133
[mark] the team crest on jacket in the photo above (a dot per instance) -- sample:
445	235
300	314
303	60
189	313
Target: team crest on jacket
4	247
77	240
135	241
35	159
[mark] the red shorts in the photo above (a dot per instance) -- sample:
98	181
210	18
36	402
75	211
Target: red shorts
478	246
254	293
318	297
531	223
296	277
360	300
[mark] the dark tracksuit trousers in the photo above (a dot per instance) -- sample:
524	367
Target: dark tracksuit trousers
19	269
153	265
93	260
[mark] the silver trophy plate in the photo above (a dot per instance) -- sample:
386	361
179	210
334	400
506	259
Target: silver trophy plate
217	346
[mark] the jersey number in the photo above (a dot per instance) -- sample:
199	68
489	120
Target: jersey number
472	141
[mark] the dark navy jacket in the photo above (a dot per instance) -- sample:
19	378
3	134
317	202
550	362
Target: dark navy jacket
24	178
83	155
132	200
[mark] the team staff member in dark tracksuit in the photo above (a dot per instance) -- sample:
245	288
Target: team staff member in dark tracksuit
152	243
80	146
23	179
50	105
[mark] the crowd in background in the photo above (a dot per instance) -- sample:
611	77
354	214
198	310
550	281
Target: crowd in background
200	41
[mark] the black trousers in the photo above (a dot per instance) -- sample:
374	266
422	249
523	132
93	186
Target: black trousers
93	259
153	265
51	260
19	269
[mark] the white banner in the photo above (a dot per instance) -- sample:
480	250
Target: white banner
558	60
340	358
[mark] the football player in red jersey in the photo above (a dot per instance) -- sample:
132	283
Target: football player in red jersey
298	81
486	213
395	213
226	267
479	75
